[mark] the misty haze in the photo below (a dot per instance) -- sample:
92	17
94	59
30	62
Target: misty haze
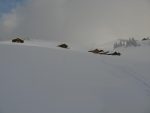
74	56
78	21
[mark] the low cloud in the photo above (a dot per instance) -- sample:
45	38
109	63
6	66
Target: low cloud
79	21
8	24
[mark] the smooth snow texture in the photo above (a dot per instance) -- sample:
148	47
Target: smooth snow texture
36	79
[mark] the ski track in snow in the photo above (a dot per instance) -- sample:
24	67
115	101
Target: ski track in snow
130	72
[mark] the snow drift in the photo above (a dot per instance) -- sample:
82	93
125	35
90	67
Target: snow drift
44	79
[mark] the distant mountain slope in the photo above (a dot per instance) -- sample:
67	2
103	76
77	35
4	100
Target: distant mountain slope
131	42
122	45
42	78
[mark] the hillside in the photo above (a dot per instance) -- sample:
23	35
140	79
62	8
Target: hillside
38	77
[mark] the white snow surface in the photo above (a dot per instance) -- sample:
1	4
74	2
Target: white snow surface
38	77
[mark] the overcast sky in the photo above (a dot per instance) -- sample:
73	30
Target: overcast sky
77	21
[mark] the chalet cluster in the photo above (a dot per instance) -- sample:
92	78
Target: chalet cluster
102	52
65	46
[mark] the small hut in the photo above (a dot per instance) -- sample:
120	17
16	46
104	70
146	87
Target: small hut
96	51
115	53
18	40
145	39
63	46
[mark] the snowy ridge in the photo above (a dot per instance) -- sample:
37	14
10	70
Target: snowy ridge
38	78
46	44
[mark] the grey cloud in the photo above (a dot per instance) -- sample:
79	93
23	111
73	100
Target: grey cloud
84	21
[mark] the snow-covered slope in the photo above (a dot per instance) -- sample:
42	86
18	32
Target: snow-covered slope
39	79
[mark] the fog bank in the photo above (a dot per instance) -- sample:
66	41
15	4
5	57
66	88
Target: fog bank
82	21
